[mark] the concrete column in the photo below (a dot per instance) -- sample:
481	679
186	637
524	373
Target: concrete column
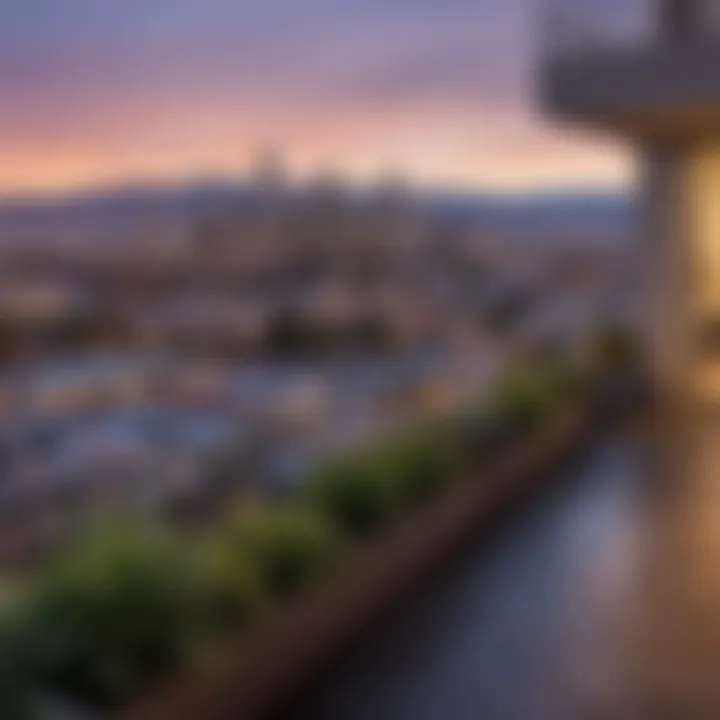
670	329
682	236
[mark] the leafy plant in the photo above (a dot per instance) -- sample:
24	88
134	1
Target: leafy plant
284	548
615	348
230	593
418	462
480	432
15	691
363	491
565	382
111	617
359	492
524	400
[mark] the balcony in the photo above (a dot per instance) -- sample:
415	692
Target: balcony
615	66
571	29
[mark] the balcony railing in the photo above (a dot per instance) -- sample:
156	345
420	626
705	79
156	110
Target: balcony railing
575	28
570	27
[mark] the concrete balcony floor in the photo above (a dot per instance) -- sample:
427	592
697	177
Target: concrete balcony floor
600	600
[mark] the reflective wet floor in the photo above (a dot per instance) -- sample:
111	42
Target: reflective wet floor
601	600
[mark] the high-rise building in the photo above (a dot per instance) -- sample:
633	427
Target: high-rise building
660	88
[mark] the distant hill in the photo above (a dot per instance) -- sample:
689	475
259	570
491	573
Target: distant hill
121	203
545	215
518	215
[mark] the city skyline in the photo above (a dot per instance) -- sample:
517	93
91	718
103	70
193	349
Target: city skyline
98	93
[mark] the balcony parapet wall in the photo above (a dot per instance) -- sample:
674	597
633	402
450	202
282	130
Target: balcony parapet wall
652	90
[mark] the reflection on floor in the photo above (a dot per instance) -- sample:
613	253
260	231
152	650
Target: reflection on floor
600	601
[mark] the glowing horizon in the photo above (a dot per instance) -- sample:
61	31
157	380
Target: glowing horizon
100	94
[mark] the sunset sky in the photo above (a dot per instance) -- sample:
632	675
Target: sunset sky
115	91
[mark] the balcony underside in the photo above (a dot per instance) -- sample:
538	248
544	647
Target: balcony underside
655	93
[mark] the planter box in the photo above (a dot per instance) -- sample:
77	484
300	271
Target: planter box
261	668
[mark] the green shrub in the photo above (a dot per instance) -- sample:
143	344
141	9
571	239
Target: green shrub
525	400
613	349
285	549
480	432
418	463
230	592
359	493
363	491
15	691
565	382
113	616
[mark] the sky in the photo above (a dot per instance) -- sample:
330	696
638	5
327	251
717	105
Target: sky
101	92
